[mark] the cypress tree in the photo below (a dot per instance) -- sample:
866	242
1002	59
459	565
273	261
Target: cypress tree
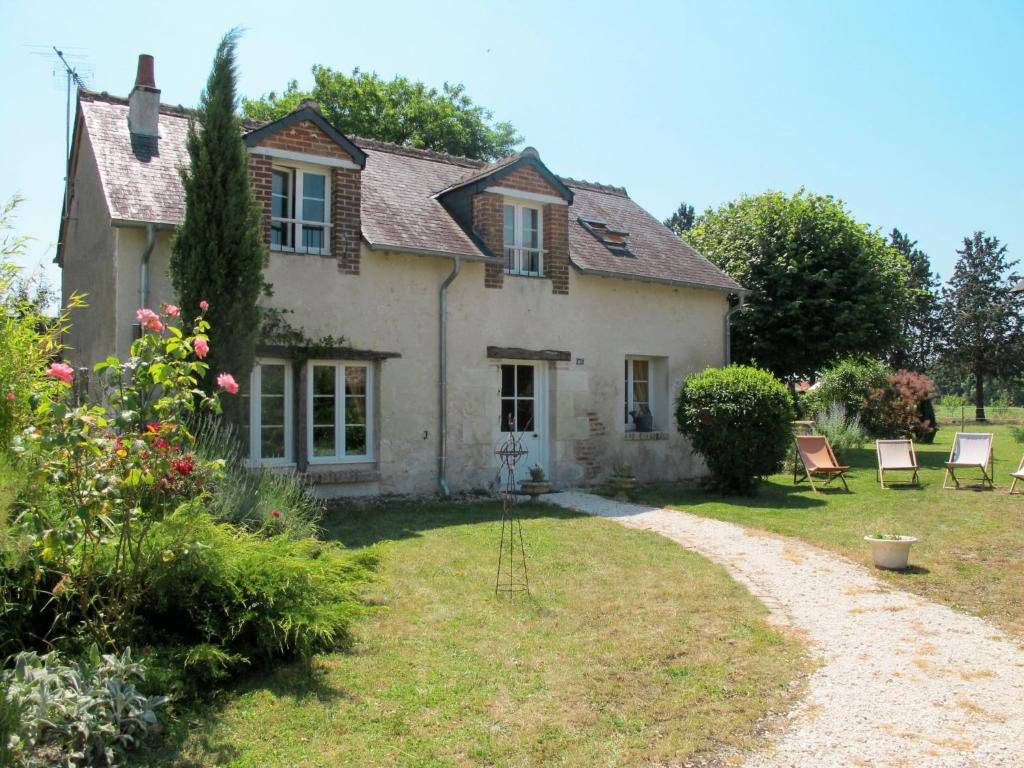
217	254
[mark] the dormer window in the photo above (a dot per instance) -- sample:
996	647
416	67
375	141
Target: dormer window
299	219
523	239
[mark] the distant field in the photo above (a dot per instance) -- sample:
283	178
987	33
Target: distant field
997	414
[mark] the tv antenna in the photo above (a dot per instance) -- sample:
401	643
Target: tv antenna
75	71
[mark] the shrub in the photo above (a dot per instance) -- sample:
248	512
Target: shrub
233	597
844	431
85	712
850	383
903	408
740	420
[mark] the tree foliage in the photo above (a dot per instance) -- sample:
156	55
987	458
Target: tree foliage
399	111
682	220
218	251
983	315
822	285
916	347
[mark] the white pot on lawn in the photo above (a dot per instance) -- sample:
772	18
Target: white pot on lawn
893	553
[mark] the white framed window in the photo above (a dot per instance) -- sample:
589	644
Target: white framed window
523	238
300	210
339	400
268	413
638	401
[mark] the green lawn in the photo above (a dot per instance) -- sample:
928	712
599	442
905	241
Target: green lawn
631	651
971	549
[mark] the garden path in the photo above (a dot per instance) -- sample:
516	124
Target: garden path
902	681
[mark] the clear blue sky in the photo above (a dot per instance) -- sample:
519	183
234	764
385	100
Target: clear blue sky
911	112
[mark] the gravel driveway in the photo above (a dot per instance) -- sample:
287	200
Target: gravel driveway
903	682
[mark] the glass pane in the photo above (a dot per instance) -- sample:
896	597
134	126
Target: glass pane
323	441
272	411
281	233
640	370
313	237
510	225
530	234
280	194
323	411
272	442
355	441
273	379
625	388
524	416
355	381
312	210
640	394
508	380
313	185
355	411
323	379
508	410
524	381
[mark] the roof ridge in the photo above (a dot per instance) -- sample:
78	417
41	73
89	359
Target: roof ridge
417	152
165	108
608	189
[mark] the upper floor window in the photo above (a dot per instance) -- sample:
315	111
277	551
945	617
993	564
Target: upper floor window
299	219
523	241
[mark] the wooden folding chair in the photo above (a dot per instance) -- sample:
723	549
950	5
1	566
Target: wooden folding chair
971	450
896	455
1018	475
817	458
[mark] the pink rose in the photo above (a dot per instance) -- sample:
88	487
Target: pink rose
149	320
227	382
204	305
172	310
61	371
10	396
202	348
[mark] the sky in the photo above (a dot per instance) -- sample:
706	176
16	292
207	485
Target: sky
912	113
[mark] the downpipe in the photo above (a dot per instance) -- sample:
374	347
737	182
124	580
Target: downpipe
144	266
442	437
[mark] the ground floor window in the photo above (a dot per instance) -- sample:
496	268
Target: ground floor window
638	406
268	412
339	411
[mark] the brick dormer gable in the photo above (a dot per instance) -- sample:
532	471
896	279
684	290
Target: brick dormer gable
294	152
522	172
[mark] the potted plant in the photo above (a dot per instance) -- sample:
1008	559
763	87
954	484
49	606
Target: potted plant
890	550
643	419
537	484
622	481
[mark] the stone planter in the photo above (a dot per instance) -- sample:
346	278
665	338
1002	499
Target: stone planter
534	488
622	486
891	554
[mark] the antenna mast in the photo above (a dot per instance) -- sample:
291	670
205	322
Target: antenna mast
72	77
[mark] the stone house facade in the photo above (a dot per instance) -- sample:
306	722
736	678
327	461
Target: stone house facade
474	298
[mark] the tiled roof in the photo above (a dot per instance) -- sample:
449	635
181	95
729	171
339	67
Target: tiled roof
399	207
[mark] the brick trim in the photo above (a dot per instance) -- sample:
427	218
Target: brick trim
346	224
488	221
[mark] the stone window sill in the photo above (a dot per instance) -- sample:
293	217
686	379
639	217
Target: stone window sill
642	436
340	476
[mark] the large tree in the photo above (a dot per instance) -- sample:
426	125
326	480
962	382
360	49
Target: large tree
217	254
822	285
399	111
984	317
682	220
920	327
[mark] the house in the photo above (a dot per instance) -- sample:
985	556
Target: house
473	298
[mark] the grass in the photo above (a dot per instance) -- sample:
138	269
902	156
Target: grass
971	550
630	651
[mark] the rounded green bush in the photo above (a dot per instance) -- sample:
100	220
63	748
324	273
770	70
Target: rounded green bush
740	420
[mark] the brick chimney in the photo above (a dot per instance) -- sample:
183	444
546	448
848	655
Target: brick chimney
144	101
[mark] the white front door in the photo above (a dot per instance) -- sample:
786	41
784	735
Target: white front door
524	411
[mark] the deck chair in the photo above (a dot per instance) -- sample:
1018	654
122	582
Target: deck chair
896	455
971	450
1018	475
817	458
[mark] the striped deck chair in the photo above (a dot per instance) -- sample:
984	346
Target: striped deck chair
896	455
817	457
971	450
1018	475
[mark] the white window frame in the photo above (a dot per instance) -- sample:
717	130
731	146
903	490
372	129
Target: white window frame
517	245
298	173
255	411
630	378
339	456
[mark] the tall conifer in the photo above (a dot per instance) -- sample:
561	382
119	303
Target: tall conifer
217	254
